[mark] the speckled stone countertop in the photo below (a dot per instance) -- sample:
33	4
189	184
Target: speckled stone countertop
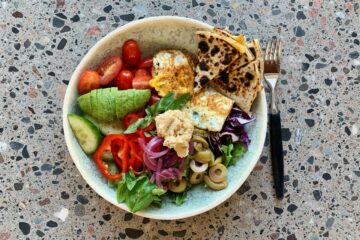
42	194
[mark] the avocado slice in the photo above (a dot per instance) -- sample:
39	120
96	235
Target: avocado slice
94	104
109	106
84	102
132	100
110	98
100	106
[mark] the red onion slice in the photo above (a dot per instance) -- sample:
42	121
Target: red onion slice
149	152
149	163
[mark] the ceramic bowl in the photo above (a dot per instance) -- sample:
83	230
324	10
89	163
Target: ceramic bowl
154	34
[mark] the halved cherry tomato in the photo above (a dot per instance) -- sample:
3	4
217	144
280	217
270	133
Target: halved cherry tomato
141	82
124	79
130	119
153	99
89	80
146	62
131	53
109	69
141	72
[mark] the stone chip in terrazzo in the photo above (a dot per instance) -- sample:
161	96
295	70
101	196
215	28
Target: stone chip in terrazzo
133	233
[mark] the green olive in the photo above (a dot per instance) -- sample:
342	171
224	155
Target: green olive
178	186
201	133
200	143
218	173
213	185
217	161
196	178
198	167
204	156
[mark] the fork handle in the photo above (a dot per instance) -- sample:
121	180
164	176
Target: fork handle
277	155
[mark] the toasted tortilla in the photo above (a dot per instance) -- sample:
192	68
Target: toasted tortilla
240	83
239	38
215	54
254	47
218	49
240	44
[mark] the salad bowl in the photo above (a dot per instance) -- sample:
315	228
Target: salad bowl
154	34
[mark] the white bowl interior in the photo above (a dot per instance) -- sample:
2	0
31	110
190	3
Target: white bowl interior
154	34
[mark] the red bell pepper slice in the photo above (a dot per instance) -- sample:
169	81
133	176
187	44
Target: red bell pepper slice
120	152
98	157
126	151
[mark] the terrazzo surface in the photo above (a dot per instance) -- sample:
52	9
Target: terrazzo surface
42	195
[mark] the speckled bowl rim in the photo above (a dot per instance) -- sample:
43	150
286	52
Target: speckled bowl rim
76	159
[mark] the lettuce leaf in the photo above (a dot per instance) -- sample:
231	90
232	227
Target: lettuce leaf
138	192
232	152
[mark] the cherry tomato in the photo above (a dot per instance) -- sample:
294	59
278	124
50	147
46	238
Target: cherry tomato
154	98
141	82
109	69
130	119
131	52
124	79
125	66
89	80
146	63
141	72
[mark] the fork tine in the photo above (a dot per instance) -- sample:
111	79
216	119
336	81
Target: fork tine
279	51
267	51
273	51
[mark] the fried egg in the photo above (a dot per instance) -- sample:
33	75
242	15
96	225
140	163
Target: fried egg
173	71
209	109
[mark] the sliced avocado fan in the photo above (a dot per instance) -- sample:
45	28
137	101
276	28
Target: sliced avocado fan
108	104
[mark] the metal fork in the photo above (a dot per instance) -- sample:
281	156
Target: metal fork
271	76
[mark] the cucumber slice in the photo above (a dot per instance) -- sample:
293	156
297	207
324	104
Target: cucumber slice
115	127
86	133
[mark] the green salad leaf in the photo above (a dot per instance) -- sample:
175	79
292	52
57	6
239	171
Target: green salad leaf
138	192
231	152
178	198
169	102
140	123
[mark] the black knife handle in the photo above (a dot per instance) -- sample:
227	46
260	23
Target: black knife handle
277	155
